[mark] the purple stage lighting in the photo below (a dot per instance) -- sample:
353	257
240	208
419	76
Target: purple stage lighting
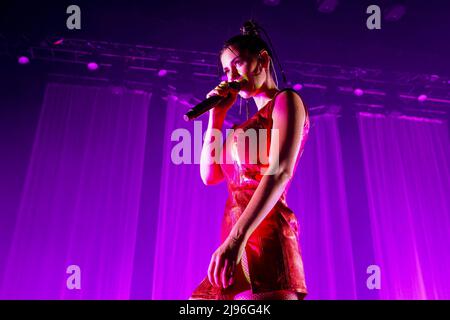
422	98
327	6
271	3
434	78
298	86
58	42
23	60
358	92
395	12
92	66
162	73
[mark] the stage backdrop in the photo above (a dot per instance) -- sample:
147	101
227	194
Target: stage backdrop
80	200
102	192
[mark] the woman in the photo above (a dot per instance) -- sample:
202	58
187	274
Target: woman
259	257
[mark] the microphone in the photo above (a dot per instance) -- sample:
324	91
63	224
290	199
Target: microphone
209	103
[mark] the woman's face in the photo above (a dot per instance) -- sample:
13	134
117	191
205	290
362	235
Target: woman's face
239	66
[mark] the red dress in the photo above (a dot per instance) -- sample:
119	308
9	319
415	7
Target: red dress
272	257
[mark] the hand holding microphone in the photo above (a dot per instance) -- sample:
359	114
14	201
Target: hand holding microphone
229	96
221	98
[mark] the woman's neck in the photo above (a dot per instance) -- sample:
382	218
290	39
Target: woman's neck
265	94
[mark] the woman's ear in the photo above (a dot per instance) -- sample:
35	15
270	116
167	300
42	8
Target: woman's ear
264	59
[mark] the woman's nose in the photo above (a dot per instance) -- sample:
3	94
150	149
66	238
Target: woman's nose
235	76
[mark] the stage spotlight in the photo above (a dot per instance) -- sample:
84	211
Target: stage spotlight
117	89
271	3
434	78
92	66
162	73
394	12
52	41
327	6
58	42
358	92
23	60
298	86
422	98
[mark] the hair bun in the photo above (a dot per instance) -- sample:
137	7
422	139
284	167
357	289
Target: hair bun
250	28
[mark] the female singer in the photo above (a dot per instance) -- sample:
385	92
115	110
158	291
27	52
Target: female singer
259	257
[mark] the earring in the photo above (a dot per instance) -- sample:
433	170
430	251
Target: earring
246	107
240	104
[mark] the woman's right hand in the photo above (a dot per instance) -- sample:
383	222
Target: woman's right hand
224	90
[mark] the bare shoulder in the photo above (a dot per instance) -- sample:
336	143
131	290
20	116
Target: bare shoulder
288	104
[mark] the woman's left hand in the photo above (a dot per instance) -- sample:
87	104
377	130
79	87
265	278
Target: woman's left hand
224	260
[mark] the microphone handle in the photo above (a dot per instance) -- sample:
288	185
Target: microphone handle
202	107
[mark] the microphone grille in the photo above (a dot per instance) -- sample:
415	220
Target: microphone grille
235	85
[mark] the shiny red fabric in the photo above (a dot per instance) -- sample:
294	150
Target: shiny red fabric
272	258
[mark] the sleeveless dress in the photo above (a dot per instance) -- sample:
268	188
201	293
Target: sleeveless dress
272	258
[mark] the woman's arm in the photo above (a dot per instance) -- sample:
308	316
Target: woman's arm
288	118
211	172
210	169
